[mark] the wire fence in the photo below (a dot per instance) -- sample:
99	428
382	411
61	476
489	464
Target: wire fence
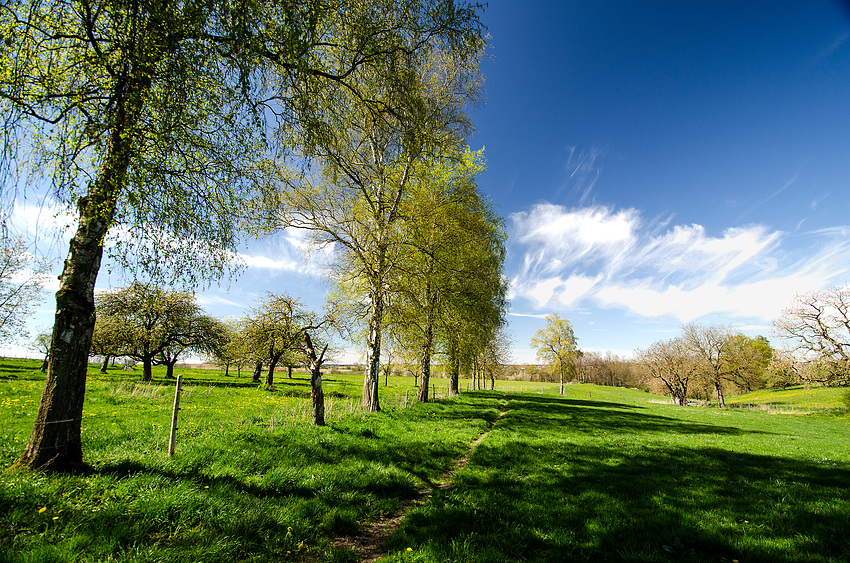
125	407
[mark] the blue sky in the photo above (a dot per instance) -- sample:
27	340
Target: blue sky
656	162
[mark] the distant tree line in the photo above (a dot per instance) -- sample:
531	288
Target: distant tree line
708	362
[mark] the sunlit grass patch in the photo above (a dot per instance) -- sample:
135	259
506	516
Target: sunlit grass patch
800	397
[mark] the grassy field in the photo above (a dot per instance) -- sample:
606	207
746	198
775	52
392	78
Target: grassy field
796	398
599	474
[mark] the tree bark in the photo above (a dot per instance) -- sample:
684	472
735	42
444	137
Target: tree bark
561	374
316	392
147	368
454	368
258	368
269	381
719	388
54	443
105	364
425	360
371	380
45	363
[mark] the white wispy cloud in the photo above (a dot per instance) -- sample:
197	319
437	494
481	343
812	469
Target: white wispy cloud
268	263
657	270
46	218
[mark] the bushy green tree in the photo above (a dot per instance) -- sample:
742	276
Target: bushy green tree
107	341
556	344
41	344
448	292
156	326
273	332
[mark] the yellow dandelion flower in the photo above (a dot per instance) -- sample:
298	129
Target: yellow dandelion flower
409	549
42	509
56	518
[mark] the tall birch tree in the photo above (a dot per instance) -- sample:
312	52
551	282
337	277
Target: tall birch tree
556	344
355	201
451	277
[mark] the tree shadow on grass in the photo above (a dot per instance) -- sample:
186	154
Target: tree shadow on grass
531	493
536	415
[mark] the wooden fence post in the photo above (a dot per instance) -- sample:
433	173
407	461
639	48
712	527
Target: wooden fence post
172	440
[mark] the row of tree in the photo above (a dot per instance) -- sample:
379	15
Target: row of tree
705	361
184	122
708	357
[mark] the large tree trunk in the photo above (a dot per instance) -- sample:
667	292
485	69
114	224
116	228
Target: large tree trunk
105	364
371	380
45	363
270	373
719	388
169	369
55	440
258	368
147	368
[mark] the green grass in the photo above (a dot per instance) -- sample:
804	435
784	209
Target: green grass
618	477
600	474
799	397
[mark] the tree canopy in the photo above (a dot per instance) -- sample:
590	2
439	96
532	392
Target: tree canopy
273	332
818	326
674	364
556	344
155	326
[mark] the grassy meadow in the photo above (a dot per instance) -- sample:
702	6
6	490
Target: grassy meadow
599	474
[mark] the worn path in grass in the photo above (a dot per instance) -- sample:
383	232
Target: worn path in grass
368	543
605	478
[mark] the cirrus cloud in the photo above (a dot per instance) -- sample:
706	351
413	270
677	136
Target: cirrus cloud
613	259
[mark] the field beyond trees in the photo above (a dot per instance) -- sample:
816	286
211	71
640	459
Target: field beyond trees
600	473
